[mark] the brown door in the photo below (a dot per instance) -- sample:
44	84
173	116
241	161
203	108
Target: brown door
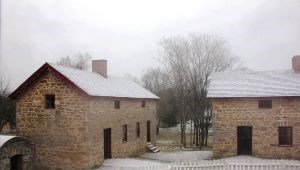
107	143
148	131
16	162
244	140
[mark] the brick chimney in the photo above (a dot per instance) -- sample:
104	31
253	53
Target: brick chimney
296	63
100	67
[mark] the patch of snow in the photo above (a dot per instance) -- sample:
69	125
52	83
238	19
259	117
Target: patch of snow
110	164
178	156
251	159
189	126
5	138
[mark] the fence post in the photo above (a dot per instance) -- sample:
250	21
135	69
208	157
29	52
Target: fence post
225	165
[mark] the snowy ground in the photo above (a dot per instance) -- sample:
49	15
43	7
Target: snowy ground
156	159
178	156
110	164
169	157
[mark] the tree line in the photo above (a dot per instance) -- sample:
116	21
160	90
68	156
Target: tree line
182	81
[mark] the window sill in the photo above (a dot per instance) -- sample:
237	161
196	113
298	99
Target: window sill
124	142
285	145
138	138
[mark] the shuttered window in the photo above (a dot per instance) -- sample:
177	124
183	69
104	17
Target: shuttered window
285	135
138	129
265	104
50	101
117	104
124	133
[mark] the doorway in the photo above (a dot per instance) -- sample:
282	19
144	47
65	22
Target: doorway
16	162
107	143
148	131
244	140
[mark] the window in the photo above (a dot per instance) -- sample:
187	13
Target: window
138	129
124	133
143	103
50	101
285	135
117	104
265	104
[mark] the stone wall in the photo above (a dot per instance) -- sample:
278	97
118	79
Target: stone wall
232	112
103	115
71	135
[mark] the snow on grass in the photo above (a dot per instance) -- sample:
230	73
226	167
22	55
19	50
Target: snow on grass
167	158
128	162
110	164
253	160
178	156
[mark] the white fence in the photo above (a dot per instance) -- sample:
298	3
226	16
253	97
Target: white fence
223	165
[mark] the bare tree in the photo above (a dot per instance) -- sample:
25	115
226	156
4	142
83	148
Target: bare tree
7	107
155	80
79	61
4	87
189	61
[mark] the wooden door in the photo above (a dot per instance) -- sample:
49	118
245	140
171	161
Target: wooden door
148	131
107	143
244	140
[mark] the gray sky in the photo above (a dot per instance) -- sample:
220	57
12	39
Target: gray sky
265	34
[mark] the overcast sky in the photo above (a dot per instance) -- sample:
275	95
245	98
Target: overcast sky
265	34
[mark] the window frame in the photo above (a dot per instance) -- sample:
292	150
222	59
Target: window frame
117	104
50	101
262	105
138	129
280	136
124	133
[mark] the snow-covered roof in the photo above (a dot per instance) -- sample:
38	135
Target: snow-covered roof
96	85
254	84
5	138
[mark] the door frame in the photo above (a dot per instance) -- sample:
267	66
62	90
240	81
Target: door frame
107	140
148	126
238	140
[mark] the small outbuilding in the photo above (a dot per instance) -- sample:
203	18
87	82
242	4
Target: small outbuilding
16	153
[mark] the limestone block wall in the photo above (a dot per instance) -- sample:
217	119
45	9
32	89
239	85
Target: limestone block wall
71	135
103	115
59	134
228	113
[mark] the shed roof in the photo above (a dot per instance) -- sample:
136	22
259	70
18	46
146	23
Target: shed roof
93	84
254	84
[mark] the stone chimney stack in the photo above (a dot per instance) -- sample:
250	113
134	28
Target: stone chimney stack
296	63
100	67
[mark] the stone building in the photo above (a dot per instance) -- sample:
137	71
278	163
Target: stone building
257	113
78	118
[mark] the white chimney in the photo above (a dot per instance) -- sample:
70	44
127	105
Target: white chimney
296	63
100	67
